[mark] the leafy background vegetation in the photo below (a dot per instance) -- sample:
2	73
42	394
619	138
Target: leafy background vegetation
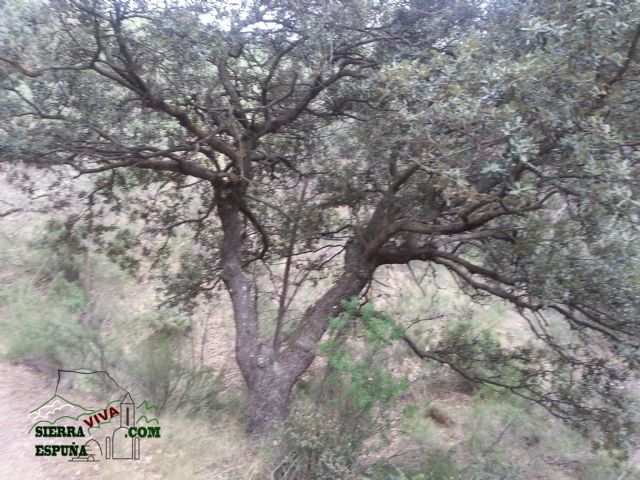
367	410
418	221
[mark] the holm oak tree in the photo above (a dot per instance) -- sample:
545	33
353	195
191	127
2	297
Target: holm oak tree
306	141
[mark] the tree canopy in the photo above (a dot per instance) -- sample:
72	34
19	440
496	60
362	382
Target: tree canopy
307	141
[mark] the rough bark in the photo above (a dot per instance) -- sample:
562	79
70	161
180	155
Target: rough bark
239	288
269	373
276	372
269	398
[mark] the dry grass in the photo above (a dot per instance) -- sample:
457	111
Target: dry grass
191	449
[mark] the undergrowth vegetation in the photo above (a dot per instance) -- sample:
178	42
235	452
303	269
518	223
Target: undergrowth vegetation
345	412
367	410
65	308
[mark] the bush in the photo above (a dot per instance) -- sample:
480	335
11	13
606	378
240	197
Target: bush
41	326
159	365
66	309
328	430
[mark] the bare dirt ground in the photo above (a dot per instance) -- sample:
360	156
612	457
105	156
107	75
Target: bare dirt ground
23	388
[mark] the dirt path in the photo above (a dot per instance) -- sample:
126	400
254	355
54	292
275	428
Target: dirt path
21	389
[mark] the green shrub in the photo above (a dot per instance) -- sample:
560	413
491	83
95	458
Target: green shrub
48	320
157	362
42	326
328	430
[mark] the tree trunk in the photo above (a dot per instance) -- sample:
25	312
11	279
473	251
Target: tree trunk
269	400
276	372
270	374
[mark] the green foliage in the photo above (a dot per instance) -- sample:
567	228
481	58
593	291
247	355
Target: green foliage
327	432
350	370
353	371
503	437
441	466
159	362
496	139
51	319
474	345
42	326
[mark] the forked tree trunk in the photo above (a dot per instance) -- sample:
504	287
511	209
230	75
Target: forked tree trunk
272	380
270	375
